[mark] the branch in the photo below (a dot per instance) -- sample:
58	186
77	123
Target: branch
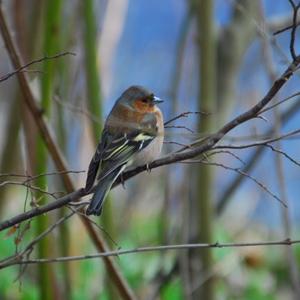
31	187
152	249
261	143
28	249
20	69
34	177
241	172
280	24
280	102
288	27
294	28
184	115
254	159
74	196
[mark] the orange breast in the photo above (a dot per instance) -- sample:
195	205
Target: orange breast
143	107
124	118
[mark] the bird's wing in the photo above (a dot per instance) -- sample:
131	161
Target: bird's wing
115	150
121	149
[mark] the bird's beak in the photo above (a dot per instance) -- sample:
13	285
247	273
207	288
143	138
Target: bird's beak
157	100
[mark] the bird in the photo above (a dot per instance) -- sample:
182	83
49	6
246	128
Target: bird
132	136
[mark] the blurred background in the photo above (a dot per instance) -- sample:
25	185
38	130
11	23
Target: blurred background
219	57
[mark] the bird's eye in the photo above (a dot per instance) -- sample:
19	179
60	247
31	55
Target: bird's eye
145	100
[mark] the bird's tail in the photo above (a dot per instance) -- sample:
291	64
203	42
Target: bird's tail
102	189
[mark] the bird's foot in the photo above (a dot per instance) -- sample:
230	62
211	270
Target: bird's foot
148	168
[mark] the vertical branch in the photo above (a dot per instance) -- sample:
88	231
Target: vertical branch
91	65
207	85
65	237
27	43
50	43
65	234
233	42
174	89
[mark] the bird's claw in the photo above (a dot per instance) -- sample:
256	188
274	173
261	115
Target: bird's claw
148	168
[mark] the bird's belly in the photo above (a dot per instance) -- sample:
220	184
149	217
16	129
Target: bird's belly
148	154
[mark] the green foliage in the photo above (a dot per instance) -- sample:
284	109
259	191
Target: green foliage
263	282
173	291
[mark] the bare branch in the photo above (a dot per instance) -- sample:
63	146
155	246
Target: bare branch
32	187
279	102
239	171
180	127
29	247
74	196
155	248
39	60
77	109
226	152
177	143
185	115
266	144
294	28
283	153
285	28
34	177
261	143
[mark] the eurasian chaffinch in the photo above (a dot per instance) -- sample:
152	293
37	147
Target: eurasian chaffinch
133	135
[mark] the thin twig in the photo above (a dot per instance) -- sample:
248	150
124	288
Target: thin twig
279	102
180	127
261	143
283	153
285	28
186	114
294	28
33	177
78	110
32	187
30	246
226	152
239	171
175	143
71	197
35	61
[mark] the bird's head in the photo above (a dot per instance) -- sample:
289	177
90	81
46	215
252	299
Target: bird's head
140	99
